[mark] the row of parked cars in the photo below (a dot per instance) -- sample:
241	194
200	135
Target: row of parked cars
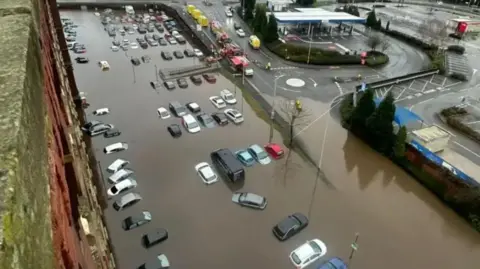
123	183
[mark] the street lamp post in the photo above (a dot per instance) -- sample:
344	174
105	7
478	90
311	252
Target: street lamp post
272	113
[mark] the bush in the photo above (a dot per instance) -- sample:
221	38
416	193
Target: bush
438	60
376	58
299	54
467	130
410	39
459	76
457	49
453	111
378	6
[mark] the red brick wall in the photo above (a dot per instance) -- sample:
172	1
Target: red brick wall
70	247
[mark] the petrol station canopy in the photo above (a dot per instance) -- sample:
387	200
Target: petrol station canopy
315	15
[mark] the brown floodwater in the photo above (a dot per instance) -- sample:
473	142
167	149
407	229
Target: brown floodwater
400	223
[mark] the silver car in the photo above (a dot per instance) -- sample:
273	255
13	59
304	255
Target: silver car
249	199
120	175
127	200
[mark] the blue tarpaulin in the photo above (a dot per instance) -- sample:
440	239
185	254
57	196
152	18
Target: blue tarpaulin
439	161
403	116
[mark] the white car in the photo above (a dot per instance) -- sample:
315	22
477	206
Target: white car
101	111
206	173
198	52
308	253
120	175
228	97
104	65
117	147
190	124
163	113
126	42
217	102
240	33
117	165
234	115
172	41
228	13
135	26
121	186
176	34
115	48
134	45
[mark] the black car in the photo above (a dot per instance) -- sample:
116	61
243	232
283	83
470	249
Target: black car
82	60
152	238
220	118
147	37
166	55
206	120
116	43
139	39
174	130
142	30
177	109
236	26
162	42
146	58
87	126
135	61
155	84
160	29
143	45
156	37
197	80
182	83
169	85
112	133
178	54
137	220
290	226
189	53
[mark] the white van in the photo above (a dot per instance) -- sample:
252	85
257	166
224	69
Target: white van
190	124
117	165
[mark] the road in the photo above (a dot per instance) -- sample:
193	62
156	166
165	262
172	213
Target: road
366	193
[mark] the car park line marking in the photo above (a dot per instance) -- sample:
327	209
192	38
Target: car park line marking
453	84
425	101
430	91
467	149
401	93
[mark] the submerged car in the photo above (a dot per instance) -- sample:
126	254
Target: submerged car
249	199
127	200
121	187
290	226
137	220
308	253
245	157
117	147
206	173
259	154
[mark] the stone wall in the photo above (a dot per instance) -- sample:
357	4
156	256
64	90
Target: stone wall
51	217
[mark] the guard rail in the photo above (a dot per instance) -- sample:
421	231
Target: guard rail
397	80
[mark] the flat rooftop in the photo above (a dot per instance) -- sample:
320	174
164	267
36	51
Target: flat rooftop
431	133
316	15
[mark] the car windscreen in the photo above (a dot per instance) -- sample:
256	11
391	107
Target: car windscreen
180	109
296	259
315	246
114	189
192	125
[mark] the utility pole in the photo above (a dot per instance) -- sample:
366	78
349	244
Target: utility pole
354	247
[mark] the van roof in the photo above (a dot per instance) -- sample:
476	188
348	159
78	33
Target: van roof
230	159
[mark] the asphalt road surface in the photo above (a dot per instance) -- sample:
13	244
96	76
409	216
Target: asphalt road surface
401	224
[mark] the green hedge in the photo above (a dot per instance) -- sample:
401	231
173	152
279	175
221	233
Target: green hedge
299	54
410	39
457	49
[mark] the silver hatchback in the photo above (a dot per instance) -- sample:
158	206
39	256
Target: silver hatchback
127	200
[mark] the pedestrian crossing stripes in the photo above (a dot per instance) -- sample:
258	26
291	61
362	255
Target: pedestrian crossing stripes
284	68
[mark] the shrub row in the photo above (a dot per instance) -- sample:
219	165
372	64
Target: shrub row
460	126
453	111
299	54
457	49
409	39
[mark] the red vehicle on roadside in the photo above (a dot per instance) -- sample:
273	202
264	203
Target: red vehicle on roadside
209	78
275	150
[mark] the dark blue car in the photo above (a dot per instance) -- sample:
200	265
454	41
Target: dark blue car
333	263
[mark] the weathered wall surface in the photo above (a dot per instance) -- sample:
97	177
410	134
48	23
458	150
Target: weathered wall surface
50	214
26	230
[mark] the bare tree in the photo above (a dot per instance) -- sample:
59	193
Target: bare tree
373	41
434	31
296	116
385	44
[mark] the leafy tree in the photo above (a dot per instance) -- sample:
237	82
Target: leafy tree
379	24
364	109
400	140
346	110
249	6
305	3
352	10
371	19
380	125
271	31
260	21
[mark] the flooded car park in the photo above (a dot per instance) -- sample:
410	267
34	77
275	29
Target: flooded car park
400	223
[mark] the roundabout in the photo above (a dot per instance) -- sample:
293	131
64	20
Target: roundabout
295	82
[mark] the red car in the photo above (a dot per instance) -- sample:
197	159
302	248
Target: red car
274	150
210	78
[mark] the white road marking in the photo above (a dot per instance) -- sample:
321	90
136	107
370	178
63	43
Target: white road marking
453	84
401	93
424	101
339	87
430	91
288	90
465	148
473	122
